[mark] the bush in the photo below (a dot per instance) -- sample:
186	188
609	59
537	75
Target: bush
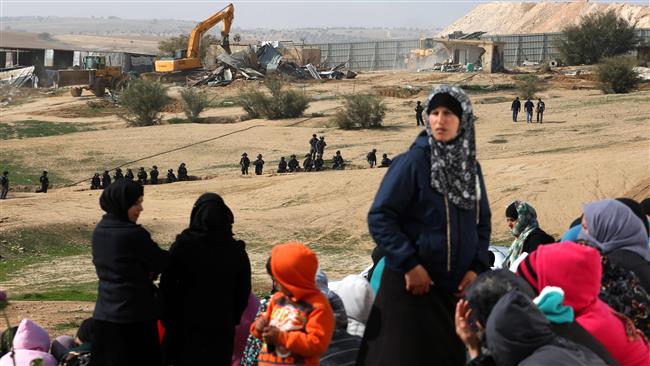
169	46
617	75
194	102
529	85
361	111
598	35
280	104
144	100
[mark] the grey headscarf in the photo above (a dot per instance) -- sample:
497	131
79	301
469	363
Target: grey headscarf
612	225
453	164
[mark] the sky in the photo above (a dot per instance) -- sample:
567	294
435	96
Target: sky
275	14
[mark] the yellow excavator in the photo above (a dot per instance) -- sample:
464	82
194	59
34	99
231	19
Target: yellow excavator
192	59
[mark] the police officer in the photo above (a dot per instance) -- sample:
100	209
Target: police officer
118	174
318	163
45	182
308	163
106	179
244	162
182	172
129	174
337	161
171	178
142	176
313	145
320	146
154	175
95	182
282	165
372	158
385	161
259	165
294	165
4	183
418	114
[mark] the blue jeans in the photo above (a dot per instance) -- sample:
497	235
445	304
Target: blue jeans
529	116
514	115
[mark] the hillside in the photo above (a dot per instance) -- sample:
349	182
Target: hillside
509	18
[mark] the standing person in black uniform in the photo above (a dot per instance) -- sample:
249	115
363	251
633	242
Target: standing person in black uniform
320	146
171	177
129	175
308	163
106	179
294	165
372	158
45	183
244	162
515	108
541	106
282	165
142	176
204	252
95	182
319	163
4	182
418	114
259	165
313	145
127	261
118	174
154	175
182	172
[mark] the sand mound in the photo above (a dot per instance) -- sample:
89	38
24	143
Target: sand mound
509	18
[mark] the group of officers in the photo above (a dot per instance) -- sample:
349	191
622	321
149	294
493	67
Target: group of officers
103	181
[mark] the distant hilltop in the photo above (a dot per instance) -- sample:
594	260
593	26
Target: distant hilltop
156	29
513	18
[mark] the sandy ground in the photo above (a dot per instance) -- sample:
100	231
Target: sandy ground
591	146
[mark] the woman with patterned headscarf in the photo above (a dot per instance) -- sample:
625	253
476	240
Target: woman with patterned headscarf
522	221
431	217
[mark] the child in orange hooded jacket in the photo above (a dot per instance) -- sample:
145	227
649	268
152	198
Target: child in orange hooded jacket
298	324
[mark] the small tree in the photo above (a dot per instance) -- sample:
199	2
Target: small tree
597	35
168	47
194	102
528	85
280	104
361	111
144	100
617	75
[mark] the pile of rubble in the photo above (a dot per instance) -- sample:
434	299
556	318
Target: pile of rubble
257	62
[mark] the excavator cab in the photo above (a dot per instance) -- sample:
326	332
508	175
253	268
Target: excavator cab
94	62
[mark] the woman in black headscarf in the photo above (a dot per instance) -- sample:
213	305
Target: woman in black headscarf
432	219
127	261
206	288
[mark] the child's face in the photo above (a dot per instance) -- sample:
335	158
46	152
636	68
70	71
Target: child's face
280	288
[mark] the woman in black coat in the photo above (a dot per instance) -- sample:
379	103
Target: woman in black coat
127	262
206	288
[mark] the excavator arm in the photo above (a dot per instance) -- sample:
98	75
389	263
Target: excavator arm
226	15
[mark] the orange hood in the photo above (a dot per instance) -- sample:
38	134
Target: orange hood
294	266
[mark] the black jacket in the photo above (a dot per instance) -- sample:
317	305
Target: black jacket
126	261
536	238
634	263
205	291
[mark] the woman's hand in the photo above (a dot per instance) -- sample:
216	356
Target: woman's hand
418	281
463	330
469	277
270	335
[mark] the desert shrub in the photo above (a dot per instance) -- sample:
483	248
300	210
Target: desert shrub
528	85
280	104
169	46
144	100
617	75
598	35
194	102
361	111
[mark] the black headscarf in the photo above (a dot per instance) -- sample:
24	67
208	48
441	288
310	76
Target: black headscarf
210	218
118	197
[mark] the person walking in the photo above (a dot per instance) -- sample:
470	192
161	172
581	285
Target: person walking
4	183
541	106
126	261
418	114
372	158
45	182
515	108
431	217
528	108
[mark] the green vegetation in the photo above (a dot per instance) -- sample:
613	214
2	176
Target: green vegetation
34	128
33	245
617	75
23	174
77	292
177	121
168	47
598	35
194	102
498	141
144	100
280	104
475	89
361	111
528	85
